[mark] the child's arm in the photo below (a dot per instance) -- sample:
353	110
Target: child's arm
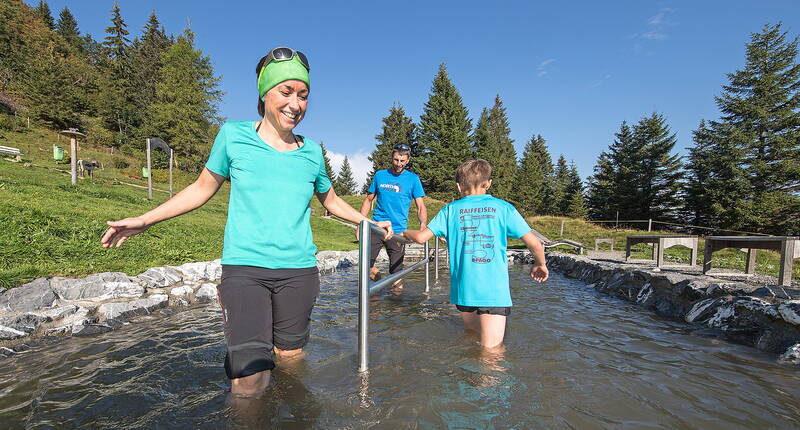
539	271
419	236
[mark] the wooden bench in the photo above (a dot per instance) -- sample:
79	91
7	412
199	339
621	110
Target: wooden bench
607	240
7	150
787	246
660	243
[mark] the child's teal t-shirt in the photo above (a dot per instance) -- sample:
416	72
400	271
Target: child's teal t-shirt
268	213
476	228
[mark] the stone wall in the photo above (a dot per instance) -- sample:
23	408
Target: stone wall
59	306
765	317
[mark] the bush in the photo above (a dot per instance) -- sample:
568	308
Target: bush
120	163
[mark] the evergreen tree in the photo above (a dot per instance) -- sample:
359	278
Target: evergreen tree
42	10
531	187
397	129
657	170
118	104
761	113
67	27
185	111
493	143
548	205
146	66
575	204
601	194
562	195
345	184
697	192
443	137
328	169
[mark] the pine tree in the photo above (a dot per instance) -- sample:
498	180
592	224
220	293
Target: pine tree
42	10
575	204
548	205
397	129
658	171
185	111
697	192
443	137
328	168
146	66
562	195
67	27
761	111
493	143
345	184
531	186
613	189
118	104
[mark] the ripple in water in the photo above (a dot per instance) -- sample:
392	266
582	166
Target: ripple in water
573	359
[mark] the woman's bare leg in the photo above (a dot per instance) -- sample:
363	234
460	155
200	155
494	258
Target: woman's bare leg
252	385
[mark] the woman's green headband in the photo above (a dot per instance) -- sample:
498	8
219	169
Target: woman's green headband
276	72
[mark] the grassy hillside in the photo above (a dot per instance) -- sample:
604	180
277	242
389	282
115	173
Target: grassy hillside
50	227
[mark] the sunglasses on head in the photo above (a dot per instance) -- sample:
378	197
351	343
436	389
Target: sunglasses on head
402	147
284	54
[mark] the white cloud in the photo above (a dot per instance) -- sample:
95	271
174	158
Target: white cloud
359	163
543	66
657	26
598	82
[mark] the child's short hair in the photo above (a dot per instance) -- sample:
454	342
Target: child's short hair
473	173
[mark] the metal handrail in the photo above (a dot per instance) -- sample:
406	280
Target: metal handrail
366	287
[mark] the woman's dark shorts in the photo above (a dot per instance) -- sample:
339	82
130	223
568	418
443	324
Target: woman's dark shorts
505	311
263	308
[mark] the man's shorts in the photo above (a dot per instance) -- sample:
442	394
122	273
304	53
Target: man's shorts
263	308
395	248
504	311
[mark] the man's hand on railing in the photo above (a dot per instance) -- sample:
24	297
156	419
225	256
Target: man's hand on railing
386	225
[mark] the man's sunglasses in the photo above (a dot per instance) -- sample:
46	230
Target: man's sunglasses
402	147
284	54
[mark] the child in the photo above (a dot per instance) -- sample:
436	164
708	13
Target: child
476	227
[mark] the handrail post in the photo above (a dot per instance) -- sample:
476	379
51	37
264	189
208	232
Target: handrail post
363	294
436	257
427	269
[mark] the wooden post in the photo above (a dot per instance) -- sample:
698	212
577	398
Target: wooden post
750	266
649	224
617	225
171	152
787	254
660	253
695	248
562	229
707	256
149	174
73	160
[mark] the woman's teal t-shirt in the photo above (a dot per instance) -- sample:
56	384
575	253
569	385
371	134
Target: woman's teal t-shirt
268	213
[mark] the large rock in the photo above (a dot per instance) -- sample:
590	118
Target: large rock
202	271
792	355
32	296
156	277
329	261
184	290
206	293
790	311
27	322
101	286
7	333
126	310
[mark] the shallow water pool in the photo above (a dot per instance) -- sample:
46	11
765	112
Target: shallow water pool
574	358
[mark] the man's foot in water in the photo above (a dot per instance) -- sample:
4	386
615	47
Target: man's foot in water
374	274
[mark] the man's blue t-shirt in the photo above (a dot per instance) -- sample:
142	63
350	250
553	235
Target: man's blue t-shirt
394	194
268	214
476	228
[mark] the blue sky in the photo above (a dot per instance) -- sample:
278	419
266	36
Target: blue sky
570	71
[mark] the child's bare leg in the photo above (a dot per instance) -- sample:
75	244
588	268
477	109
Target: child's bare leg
471	321
492	329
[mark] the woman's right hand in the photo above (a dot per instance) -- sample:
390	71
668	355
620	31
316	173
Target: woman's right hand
119	231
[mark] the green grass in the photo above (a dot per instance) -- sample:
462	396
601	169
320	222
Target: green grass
50	227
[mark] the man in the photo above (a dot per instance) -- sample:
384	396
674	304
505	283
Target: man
394	188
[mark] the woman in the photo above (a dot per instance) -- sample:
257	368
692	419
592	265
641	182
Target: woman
270	279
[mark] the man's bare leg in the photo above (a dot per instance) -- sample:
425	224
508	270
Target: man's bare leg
250	386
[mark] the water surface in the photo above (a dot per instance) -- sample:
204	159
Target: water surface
574	358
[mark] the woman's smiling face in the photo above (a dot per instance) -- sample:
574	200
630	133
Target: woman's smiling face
285	104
